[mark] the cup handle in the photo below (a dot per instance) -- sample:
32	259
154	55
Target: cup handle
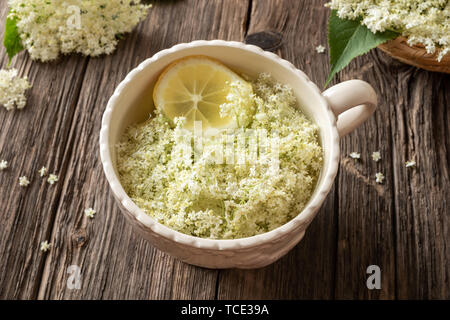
352	102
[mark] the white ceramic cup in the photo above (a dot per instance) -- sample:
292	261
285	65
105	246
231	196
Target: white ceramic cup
337	111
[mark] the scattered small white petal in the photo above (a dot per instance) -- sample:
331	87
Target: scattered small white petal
52	178
355	155
320	49
379	177
410	163
45	246
3	165
376	156
90	212
42	171
23	181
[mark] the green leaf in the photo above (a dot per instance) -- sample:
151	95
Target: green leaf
349	39
11	39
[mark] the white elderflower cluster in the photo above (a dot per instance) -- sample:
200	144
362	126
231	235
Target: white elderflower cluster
91	27
239	104
421	21
201	197
12	89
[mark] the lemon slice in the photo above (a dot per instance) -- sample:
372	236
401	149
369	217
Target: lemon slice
194	87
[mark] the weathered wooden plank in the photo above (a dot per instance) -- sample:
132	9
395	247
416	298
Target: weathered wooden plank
402	225
29	139
366	234
114	262
421	133
308	270
412	255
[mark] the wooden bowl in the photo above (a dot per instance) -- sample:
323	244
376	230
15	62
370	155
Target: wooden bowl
415	55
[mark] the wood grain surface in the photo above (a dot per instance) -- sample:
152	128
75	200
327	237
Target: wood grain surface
401	225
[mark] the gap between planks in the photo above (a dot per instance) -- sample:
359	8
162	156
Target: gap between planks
44	272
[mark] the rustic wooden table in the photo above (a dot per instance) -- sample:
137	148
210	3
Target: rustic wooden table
401	226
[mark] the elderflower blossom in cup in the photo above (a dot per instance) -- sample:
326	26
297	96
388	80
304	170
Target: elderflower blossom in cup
238	154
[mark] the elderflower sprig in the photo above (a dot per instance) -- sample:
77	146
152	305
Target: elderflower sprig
12	89
48	28
425	21
240	104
